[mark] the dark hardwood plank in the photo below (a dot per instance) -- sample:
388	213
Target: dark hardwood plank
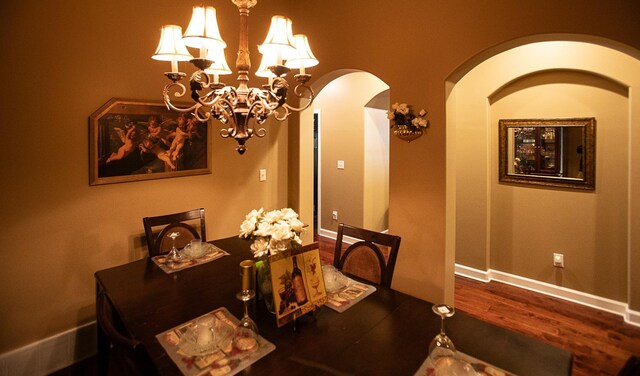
600	341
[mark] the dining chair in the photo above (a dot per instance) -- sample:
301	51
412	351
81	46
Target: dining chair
364	258
120	354
159	243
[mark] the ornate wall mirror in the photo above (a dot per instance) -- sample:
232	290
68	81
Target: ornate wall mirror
549	152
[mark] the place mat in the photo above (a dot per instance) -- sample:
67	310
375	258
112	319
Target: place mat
349	295
213	254
223	359
446	366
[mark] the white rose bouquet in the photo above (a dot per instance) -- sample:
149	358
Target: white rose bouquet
401	114
273	231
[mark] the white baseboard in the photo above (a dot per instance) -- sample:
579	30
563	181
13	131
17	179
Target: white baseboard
632	317
333	235
327	234
51	354
605	304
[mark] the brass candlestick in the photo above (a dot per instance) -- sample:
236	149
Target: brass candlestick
248	273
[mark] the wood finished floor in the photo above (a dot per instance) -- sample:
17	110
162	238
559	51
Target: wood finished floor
601	342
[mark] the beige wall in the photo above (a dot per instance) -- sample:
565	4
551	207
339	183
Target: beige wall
376	170
62	60
516	229
66	60
528	225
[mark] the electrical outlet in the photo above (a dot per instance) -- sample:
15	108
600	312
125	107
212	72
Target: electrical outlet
558	260
334	215
263	174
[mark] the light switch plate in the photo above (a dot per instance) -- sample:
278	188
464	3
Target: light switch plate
263	174
340	165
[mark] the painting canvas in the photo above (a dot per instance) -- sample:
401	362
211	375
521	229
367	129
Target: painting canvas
135	140
298	284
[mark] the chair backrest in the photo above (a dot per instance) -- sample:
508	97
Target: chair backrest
364	258
160	243
125	355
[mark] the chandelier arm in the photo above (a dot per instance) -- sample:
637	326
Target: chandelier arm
224	111
226	116
227	100
260	107
260	116
284	116
300	91
182	90
269	100
202	118
200	81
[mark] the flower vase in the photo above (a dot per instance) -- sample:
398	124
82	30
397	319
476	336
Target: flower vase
263	280
407	133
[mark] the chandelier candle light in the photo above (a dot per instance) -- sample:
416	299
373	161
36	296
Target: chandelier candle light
239	108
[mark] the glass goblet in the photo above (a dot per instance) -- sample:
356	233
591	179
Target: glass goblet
173	254
246	336
441	345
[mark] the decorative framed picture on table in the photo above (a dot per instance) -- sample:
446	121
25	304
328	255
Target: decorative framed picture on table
133	140
297	282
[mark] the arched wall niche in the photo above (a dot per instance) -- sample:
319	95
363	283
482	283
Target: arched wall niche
510	232
476	60
559	76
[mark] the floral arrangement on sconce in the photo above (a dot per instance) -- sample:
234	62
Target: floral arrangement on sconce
273	232
409	126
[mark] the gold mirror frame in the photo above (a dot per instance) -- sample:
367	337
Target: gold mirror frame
507	153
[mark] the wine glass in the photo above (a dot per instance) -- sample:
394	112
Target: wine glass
441	345
246	336
173	254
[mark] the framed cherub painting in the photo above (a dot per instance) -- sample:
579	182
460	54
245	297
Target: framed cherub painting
134	140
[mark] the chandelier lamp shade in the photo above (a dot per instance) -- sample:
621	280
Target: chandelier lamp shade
241	109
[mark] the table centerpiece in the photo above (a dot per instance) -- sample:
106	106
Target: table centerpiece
272	232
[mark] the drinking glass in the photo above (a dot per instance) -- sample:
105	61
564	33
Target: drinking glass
246	337
173	254
441	345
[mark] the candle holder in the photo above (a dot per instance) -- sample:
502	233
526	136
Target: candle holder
441	345
246	337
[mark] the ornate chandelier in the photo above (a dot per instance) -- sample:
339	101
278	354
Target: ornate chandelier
239	108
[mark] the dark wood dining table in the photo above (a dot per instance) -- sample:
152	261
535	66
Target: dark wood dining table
387	333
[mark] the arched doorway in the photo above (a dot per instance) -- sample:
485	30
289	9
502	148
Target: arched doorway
351	158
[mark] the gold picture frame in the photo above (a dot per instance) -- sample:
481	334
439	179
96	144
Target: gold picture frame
548	152
132	140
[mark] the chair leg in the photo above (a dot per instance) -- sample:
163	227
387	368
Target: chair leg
631	368
103	353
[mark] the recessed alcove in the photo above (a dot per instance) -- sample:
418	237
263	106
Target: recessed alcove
514	230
